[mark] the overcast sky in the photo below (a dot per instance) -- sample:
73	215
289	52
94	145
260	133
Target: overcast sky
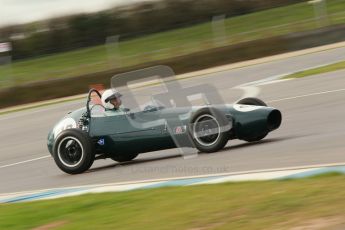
22	11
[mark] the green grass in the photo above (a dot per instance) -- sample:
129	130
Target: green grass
320	70
248	205
298	17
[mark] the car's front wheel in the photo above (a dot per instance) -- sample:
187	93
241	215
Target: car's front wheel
73	151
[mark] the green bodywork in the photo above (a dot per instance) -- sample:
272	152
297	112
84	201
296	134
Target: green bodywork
152	130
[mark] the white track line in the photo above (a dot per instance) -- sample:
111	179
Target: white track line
238	173
23	162
308	95
251	89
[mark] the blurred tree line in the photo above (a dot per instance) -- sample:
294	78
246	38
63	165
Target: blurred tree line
84	30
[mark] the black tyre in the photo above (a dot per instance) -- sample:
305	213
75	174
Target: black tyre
209	129
253	139
253	101
124	158
73	151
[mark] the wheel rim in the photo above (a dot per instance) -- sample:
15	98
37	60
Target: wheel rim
70	151
206	130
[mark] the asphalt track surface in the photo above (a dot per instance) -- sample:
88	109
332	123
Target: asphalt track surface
312	132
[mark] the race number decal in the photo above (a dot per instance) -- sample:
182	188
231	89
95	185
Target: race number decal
67	123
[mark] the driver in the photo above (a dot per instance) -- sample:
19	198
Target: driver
111	100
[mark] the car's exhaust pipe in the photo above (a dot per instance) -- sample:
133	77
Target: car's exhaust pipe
274	120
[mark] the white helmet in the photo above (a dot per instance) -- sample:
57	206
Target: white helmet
108	95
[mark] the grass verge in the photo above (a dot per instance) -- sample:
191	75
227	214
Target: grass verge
247	205
268	23
319	70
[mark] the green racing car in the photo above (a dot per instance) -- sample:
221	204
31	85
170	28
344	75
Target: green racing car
83	136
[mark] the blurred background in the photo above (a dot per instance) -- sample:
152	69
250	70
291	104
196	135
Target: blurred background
54	49
47	45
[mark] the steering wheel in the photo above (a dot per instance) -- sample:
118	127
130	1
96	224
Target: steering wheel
150	108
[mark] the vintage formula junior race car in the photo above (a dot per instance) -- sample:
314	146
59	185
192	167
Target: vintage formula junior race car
81	137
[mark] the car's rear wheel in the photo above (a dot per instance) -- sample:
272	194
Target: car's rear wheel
209	129
73	151
124	158
258	102
254	139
